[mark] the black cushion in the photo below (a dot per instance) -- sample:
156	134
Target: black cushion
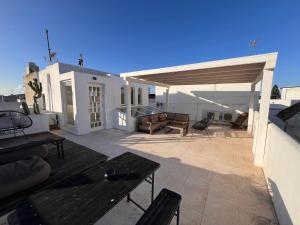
22	174
15	155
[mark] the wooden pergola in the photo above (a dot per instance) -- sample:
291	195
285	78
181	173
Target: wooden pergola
249	69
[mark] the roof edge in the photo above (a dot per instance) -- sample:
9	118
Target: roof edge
269	59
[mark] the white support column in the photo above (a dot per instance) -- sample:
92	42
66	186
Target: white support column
128	106
251	109
167	100
261	135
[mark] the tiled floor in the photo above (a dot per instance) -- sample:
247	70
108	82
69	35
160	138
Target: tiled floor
215	175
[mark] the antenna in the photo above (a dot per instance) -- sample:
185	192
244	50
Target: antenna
49	49
253	44
80	60
51	55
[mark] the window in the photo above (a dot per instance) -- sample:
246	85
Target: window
132	93
122	95
140	94
68	102
44	102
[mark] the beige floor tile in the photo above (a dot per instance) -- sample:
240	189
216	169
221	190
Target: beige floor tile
215	175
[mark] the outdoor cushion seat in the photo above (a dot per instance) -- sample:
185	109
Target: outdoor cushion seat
179	122
153	122
154	118
23	174
163	123
162	117
15	155
145	119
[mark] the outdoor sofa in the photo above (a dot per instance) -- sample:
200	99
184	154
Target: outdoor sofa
157	121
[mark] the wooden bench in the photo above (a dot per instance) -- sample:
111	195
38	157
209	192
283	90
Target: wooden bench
162	209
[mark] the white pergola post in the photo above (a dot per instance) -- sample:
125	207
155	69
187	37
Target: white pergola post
251	109
128	106
167	100
261	134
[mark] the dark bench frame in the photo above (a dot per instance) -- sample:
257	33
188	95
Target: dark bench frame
149	180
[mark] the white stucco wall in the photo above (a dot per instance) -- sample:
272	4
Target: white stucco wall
16	106
40	123
282	171
198	99
290	93
80	82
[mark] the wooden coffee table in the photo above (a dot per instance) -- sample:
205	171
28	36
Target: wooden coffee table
181	128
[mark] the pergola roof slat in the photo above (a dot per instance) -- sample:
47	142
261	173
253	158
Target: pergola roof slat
237	70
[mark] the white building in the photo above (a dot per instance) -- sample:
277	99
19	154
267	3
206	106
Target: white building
198	100
290	93
84	99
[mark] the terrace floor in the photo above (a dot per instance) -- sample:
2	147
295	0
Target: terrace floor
215	175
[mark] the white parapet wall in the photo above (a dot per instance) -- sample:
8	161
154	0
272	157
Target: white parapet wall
282	171
40	123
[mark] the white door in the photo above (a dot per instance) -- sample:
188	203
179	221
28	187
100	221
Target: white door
68	103
96	106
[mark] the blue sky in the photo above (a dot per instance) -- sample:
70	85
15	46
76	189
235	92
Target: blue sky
122	36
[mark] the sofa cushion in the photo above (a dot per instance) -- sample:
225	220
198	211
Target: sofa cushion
163	123
170	116
15	155
23	174
162	117
145	119
181	117
154	118
144	127
154	127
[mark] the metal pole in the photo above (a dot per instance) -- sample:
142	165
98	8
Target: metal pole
152	188
49	50
177	216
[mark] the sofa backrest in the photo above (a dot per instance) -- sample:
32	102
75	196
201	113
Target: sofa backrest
182	117
144	119
170	116
154	118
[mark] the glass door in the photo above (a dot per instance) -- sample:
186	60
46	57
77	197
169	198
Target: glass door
95	106
68	102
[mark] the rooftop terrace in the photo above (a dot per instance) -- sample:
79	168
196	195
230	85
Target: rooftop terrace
215	175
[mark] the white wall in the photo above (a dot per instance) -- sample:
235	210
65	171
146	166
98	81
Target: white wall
80	83
51	81
282	171
198	99
290	93
40	123
15	106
